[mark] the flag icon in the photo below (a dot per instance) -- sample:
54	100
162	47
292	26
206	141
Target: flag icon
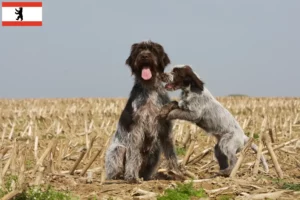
22	14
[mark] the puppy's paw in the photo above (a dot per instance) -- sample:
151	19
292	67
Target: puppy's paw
166	109
165	78
225	172
164	112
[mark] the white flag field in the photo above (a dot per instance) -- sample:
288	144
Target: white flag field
22	14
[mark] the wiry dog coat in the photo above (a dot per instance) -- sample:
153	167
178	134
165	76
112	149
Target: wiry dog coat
136	146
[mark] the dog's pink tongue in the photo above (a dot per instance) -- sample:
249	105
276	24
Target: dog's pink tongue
146	73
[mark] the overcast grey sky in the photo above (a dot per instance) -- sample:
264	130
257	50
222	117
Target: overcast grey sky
250	47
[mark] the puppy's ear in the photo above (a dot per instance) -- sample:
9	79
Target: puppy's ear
129	60
196	80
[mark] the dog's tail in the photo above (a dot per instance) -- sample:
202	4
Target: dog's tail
255	149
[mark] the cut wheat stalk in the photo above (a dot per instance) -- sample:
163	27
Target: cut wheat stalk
107	182
3	152
197	180
190	174
258	155
200	156
6	166
11	131
12	195
83	151
142	194
266	141
30	128
3	132
87	155
39	163
21	174
288	151
52	157
296	119
216	191
86	131
39	175
78	171
270	132
36	143
91	161
14	157
188	153
186	139
61	149
282	145
291	130
270	195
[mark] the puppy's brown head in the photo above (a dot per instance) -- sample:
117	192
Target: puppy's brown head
182	78
147	59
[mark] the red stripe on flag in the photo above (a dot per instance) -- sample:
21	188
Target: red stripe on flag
21	23
21	4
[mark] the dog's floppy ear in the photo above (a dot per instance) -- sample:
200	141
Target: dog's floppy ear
197	81
166	59
129	60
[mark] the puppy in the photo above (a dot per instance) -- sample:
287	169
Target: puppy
198	105
136	146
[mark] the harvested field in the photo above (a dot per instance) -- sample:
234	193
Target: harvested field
61	142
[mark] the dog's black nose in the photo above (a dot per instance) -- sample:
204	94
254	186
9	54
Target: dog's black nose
145	56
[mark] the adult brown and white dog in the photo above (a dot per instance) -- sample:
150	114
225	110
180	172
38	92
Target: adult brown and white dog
197	105
136	146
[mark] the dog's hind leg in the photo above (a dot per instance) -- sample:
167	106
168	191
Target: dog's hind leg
230	144
115	161
232	161
221	157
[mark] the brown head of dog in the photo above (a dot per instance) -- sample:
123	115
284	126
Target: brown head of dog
182	78
147	61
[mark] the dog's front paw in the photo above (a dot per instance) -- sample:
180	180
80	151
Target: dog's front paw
166	109
133	180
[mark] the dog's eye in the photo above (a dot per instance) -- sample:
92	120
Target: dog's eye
155	51
186	81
